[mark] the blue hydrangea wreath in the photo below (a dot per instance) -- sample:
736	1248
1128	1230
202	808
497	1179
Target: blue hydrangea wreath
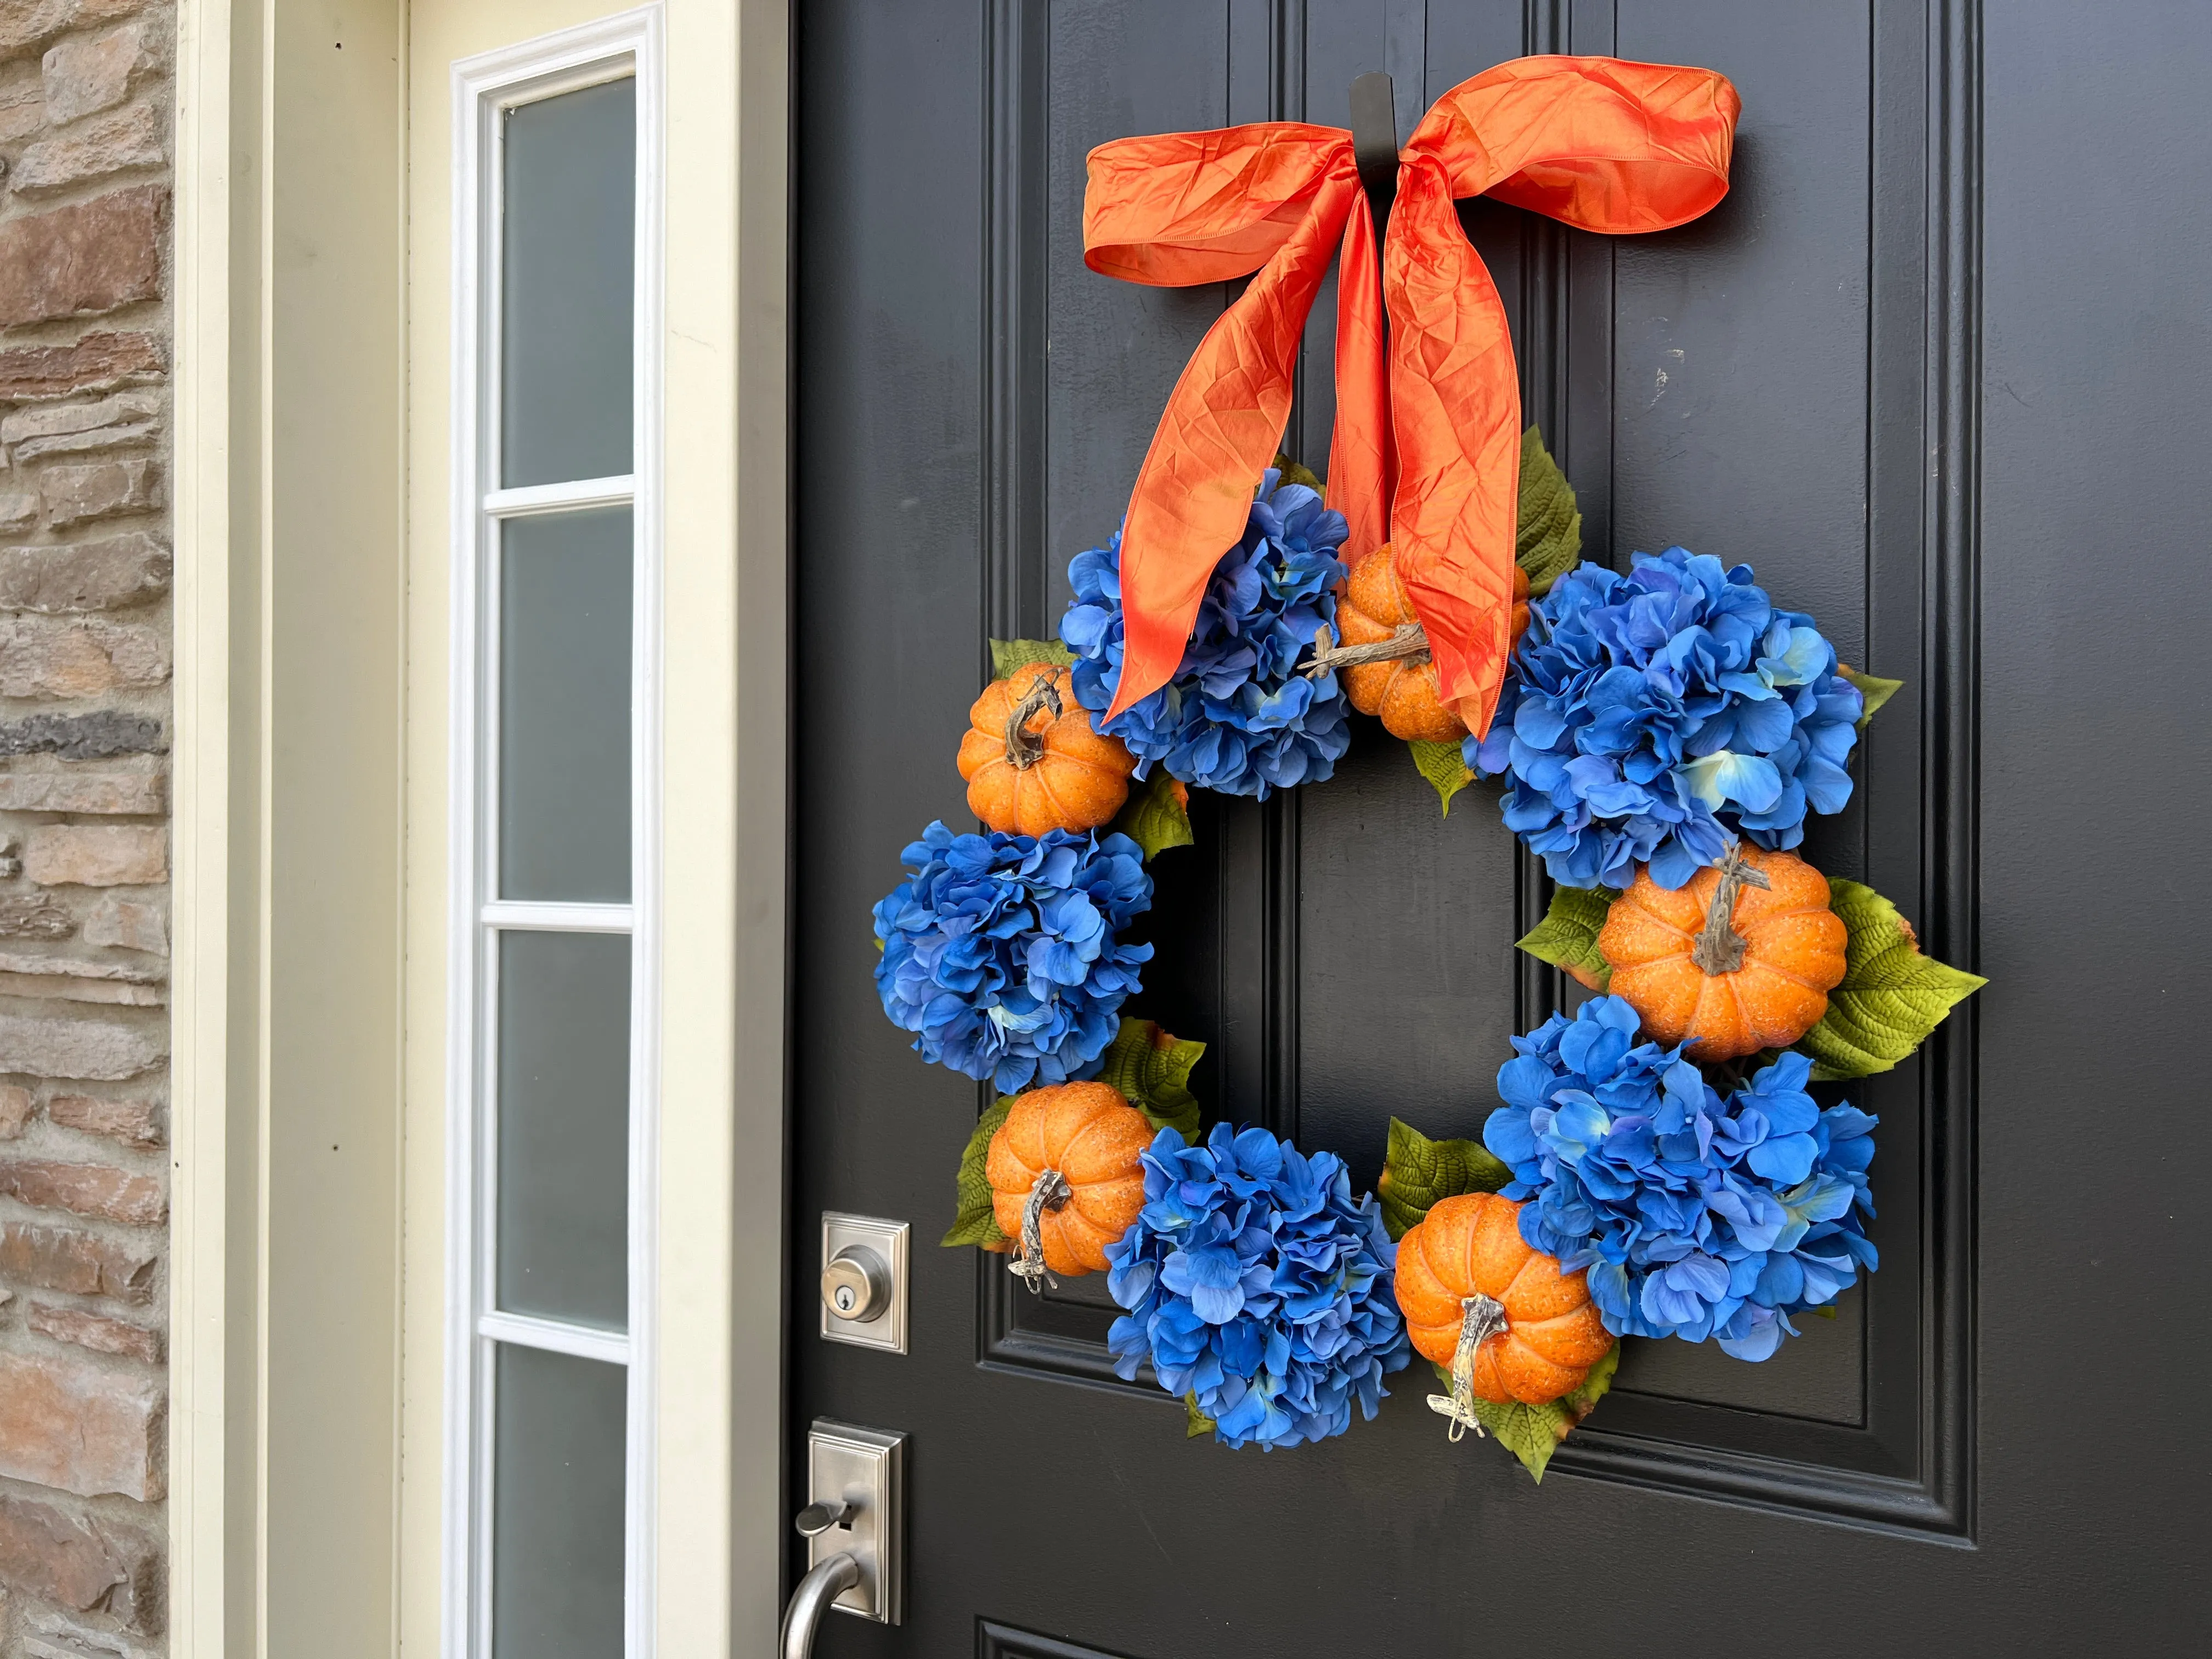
1649	722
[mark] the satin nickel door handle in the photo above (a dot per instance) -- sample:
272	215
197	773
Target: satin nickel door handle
816	1593
817	1518
854	1525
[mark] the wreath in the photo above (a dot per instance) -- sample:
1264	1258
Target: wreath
1657	1166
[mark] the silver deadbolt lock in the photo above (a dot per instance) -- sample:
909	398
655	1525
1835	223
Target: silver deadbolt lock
864	1275
856	1285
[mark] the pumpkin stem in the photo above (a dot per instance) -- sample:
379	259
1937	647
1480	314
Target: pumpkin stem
1720	948
1026	748
1049	1191
1481	1317
1410	643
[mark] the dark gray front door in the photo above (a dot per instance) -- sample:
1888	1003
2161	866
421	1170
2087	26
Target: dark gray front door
1937	368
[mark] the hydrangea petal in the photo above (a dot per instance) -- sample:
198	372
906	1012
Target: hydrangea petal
1646	715
1694	1216
1237	717
1252	1280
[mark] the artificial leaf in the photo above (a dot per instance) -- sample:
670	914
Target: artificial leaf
1533	1433
1549	538
1441	763
1007	655
1195	1422
1579	1403
1567	936
1892	996
1152	1071
1872	688
1418	1171
1293	473
974	1224
1157	815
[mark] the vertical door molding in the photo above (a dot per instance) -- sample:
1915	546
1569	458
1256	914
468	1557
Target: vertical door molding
288	717
1909	1468
213	1568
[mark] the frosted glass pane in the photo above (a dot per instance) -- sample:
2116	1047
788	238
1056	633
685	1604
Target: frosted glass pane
557	1508
566	285
564	787
564	1228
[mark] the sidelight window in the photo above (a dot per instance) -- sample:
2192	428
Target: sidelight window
554	803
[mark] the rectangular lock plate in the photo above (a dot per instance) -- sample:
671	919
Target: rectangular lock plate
887	1243
865	1469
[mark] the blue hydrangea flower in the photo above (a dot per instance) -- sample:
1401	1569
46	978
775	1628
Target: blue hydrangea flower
1252	1281
1235	718
1646	716
1001	954
1696	1216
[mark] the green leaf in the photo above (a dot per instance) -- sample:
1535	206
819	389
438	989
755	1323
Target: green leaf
1293	473
1533	1433
1872	687
974	1224
1567	936
1195	1422
1442	765
1549	539
1418	1172
1152	1071
1582	1401
1892	996
1007	655
1157	815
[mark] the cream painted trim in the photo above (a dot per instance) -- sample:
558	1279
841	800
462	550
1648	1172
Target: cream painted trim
287	807
207	1533
754	1405
720	1381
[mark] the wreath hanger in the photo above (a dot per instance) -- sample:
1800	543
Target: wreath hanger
1374	143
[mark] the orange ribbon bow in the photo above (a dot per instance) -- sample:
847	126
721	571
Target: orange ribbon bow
1425	451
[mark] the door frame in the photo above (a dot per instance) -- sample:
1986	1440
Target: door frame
304	1429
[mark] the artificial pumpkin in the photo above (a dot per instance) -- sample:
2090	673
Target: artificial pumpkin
1471	1247
1371	610
1740	959
1092	1138
1033	762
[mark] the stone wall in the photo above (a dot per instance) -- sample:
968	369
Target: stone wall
85	139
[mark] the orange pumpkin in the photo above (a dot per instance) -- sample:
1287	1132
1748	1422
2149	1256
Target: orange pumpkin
1371	609
1033	762
1728	964
1471	1246
1091	1138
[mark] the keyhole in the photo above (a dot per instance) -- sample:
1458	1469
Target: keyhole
844	1299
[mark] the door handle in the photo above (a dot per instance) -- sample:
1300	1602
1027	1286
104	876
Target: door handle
816	1593
854	1526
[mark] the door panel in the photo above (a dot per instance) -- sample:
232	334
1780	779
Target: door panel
1790	381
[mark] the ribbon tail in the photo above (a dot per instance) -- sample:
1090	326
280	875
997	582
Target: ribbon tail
1362	460
1455	412
1216	435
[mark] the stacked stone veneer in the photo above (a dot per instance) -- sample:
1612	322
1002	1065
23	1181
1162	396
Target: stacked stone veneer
85	137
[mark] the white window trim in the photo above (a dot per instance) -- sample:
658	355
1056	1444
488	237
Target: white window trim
610	48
